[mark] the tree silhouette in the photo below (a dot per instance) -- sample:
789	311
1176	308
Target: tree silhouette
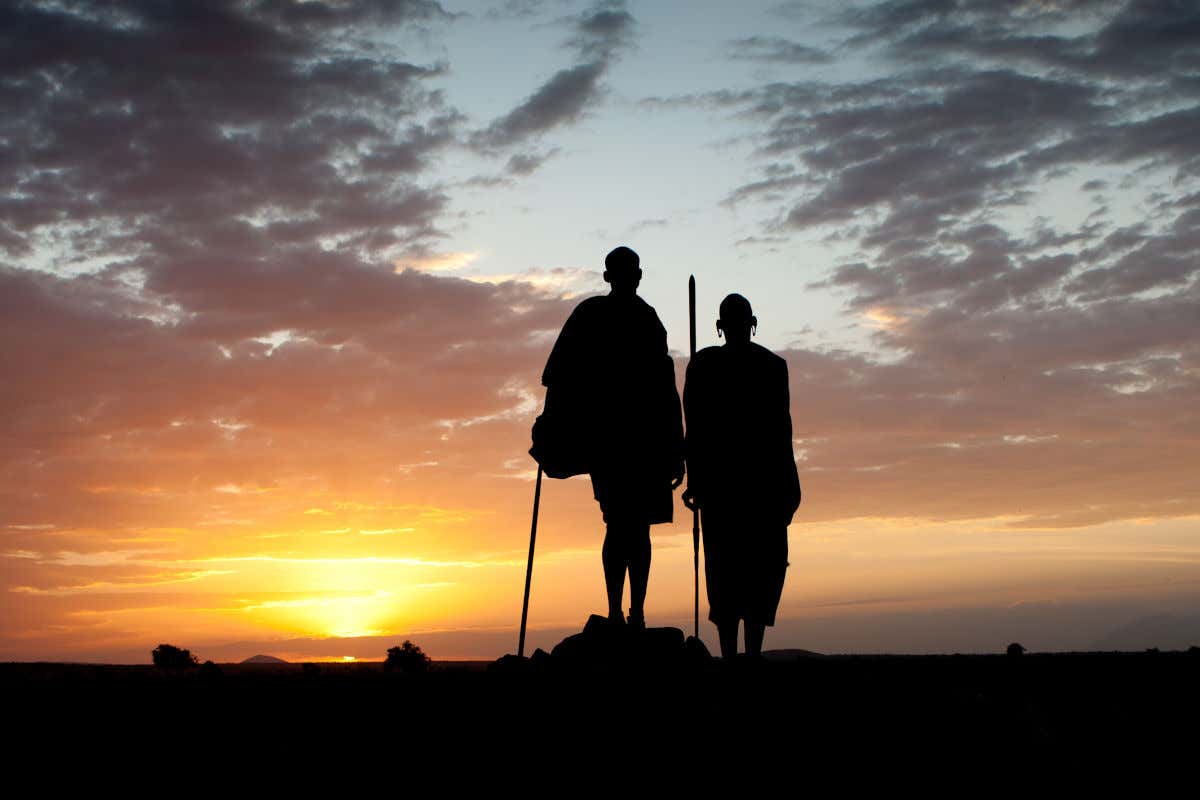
1015	649
168	656
407	658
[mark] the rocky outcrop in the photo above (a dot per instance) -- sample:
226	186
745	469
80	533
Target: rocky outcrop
606	644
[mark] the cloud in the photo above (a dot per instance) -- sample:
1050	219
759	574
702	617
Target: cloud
602	30
776	50
528	163
438	262
597	35
560	100
1017	369
515	9
157	128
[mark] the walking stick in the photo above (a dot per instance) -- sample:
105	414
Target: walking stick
537	497
695	511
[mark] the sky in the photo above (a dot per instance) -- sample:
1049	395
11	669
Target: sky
278	280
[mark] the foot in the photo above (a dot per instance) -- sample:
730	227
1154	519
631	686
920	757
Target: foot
616	617
637	620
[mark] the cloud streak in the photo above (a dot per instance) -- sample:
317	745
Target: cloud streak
598	35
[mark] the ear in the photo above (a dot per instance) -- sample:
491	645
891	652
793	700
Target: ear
754	322
606	278
637	274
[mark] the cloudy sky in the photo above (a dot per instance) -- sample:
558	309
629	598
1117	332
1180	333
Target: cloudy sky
278	279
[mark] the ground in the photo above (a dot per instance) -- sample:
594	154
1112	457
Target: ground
1066	711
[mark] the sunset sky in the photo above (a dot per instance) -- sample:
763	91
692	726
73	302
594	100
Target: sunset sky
278	280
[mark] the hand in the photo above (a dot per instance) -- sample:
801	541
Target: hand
690	500
677	478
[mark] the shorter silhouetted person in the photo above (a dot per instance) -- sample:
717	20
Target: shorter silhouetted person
741	474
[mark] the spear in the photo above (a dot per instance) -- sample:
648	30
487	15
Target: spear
695	511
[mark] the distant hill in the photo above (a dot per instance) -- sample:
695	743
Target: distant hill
261	659
789	654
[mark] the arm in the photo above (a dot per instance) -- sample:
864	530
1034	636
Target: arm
691	443
670	416
791	484
561	363
674	426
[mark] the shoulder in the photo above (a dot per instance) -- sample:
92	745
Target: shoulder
645	309
705	360
588	313
648	324
767	357
590	305
768	364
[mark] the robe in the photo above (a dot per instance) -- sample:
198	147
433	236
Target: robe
612	408
742	472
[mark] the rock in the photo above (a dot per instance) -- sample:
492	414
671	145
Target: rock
574	648
694	650
659	644
540	659
605	642
509	663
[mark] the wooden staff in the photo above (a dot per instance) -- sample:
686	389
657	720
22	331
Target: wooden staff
537	497
695	511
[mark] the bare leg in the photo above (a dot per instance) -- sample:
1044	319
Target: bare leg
639	568
728	635
616	560
754	638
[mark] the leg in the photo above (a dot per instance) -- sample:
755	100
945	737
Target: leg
616	560
639	568
727	632
754	637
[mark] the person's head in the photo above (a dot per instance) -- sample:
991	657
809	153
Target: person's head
622	271
737	320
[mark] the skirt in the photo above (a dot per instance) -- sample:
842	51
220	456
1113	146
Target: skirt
628	496
745	562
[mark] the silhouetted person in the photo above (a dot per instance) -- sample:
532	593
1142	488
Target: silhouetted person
609	373
741	474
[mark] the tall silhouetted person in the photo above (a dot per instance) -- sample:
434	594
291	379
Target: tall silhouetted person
741	474
610	390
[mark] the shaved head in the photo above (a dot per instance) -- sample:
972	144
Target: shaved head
735	308
621	261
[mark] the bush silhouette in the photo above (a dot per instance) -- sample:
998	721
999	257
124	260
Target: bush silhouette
1015	649
406	658
168	656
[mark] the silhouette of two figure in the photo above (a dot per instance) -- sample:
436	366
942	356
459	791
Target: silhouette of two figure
612	411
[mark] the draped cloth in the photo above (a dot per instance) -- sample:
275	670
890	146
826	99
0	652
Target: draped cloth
612	408
742	472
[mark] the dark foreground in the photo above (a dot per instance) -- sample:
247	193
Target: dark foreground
1063	711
